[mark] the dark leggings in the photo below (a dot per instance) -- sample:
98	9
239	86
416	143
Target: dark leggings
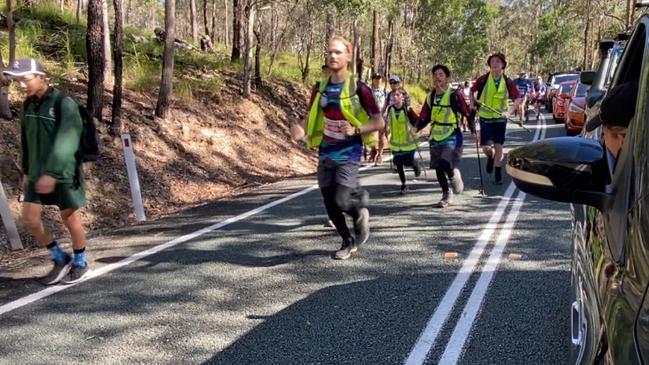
402	173
339	199
443	170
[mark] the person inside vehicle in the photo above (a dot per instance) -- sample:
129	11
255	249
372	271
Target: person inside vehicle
616	112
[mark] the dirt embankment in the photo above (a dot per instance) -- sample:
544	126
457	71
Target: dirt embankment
204	150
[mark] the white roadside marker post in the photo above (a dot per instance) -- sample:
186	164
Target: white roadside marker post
134	182
9	222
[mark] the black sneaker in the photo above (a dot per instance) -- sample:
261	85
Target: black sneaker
404	189
57	273
345	251
490	164
76	274
447	197
456	182
362	227
417	169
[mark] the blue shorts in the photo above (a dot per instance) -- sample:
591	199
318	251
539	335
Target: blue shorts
492	132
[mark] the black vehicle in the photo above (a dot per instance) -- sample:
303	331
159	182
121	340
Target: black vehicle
610	264
611	51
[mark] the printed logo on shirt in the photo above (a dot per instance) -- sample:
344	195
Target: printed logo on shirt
333	129
51	112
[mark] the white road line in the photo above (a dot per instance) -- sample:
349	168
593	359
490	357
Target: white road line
455	345
21	302
140	255
427	338
463	327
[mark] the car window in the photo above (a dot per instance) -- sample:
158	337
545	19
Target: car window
582	89
615	60
563	78
566	88
623	180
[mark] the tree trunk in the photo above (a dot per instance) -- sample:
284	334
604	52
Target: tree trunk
11	27
192	15
355	46
118	34
207	29
226	14
374	55
95	55
629	14
586	35
388	50
236	30
78	11
128	11
258	81
5	111
108	62
164	97
249	16
331	27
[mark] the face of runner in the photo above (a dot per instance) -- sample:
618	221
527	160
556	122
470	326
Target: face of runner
440	79
376	83
338	56
32	84
496	66
398	99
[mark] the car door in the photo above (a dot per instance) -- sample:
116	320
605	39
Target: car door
622	273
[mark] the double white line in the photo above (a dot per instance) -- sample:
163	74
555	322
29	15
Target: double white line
428	337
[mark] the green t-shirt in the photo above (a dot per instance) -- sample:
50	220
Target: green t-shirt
48	149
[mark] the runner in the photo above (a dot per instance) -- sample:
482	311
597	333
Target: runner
395	83
524	90
444	108
51	173
342	115
539	95
380	96
402	143
493	93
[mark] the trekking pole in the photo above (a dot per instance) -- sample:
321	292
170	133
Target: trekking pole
520	124
421	159
477	150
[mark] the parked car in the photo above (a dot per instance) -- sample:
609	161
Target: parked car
610	234
554	81
576	108
560	100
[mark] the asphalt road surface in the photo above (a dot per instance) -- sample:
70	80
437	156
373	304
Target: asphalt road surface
251	281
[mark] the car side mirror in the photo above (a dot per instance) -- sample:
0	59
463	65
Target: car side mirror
594	96
564	169
587	77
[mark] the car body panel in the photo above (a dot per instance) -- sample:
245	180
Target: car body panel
575	111
559	104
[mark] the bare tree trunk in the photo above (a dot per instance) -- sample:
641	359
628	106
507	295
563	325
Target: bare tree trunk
108	62
78	10
5	111
388	50
166	84
355	46
207	29
226	14
331	27
192	15
258	80
629	14
236	30
249	16
128	11
11	27
95	55
374	55
118	34
586	35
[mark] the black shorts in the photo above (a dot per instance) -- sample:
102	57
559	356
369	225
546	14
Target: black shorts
340	172
406	158
492	132
65	196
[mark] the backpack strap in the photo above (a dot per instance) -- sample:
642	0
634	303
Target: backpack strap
57	108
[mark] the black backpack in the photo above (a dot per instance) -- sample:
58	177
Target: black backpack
88	150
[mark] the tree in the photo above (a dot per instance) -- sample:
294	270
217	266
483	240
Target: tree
236	29
166	84
249	15
108	63
192	16
95	51
5	111
118	34
205	24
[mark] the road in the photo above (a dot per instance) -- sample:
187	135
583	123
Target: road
251	281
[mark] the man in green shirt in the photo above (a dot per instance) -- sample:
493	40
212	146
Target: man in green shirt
51	171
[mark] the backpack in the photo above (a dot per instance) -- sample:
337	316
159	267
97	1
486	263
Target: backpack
88	150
